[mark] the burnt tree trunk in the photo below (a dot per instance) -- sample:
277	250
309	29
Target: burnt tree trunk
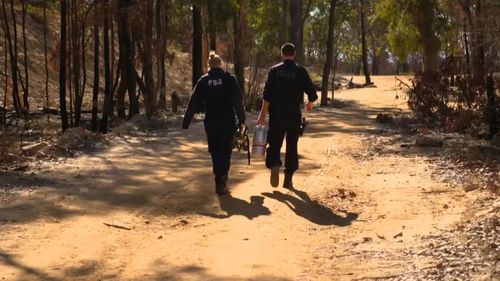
161	35
26	75
211	26
108	97
150	95
95	87
284	22
430	42
478	67
127	55
75	54
16	53
297	29
45	55
329	53
492	106
83	60
13	62
363	42
5	70
239	27
62	66
197	45
466	46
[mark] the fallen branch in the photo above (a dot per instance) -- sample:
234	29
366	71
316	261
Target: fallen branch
117	226
402	82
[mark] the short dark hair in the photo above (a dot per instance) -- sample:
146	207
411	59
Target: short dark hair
288	49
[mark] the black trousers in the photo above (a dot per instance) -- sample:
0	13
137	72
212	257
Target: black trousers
275	136
220	145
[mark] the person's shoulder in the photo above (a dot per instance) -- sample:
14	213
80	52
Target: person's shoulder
203	77
229	75
276	66
302	68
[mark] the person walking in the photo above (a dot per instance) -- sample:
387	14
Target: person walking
217	94
283	96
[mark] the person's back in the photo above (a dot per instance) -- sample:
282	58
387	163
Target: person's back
218	94
283	95
288	82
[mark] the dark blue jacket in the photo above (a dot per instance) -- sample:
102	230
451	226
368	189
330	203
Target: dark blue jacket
284	90
219	95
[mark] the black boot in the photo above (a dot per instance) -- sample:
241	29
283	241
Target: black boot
221	185
275	176
287	183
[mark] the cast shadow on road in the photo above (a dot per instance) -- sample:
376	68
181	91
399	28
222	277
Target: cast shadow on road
11	261
237	207
311	210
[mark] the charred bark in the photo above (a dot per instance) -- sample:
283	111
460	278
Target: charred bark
62	67
26	74
239	27
108	97
363	43
329	53
95	87
197	45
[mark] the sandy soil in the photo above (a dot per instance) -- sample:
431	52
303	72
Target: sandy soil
351	214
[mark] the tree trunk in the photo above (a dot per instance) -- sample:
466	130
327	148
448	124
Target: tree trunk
197	45
62	67
430	42
211	25
127	56
375	65
329	53
239	35
112	54
108	97
13	62
123	35
466	46
285	22
150	95
46	56
83	60
16	55
478	67
335	64
95	87
492	105
297	29
75	53
5	70
26	75
363	42
161	35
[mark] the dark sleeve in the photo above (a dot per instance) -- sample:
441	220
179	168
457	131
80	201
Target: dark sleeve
268	88
309	88
195	105
237	100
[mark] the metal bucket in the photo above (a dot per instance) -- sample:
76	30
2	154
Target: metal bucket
259	140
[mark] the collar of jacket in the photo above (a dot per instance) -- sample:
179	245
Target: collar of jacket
216	70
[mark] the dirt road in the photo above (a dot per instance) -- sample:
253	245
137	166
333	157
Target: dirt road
352	212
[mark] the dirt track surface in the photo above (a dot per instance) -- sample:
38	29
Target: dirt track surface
353	211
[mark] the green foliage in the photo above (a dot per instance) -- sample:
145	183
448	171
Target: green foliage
180	22
223	10
403	36
264	19
316	30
